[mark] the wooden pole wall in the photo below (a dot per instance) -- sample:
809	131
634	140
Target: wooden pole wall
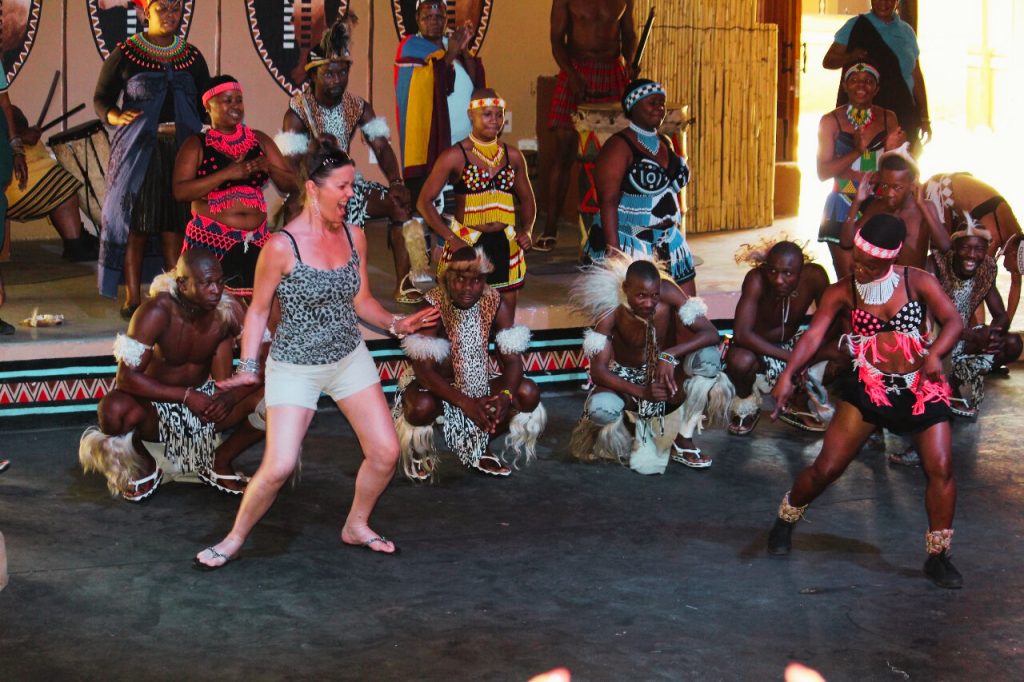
714	56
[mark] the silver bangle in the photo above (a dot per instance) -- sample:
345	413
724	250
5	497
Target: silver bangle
395	319
248	366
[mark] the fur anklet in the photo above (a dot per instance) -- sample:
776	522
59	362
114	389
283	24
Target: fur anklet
788	512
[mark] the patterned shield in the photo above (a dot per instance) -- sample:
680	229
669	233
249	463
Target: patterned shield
478	12
284	30
114	21
20	21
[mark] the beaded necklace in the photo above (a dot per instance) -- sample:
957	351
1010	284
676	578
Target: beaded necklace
879	291
859	118
234	144
158	52
491	153
648	139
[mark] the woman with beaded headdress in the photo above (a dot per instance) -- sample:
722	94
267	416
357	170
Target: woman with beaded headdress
488	179
850	140
897	383
638	177
149	91
223	172
324	106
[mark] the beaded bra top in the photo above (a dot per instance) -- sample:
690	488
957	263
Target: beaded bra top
219	151
488	198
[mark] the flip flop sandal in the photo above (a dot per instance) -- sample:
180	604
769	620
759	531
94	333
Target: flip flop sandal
907	458
502	471
200	566
368	546
156	478
545	244
679	455
4	463
211	478
793	419
407	293
967	411
742	429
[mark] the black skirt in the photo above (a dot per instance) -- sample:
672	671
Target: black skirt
155	209
899	417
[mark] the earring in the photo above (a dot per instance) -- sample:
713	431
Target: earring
315	206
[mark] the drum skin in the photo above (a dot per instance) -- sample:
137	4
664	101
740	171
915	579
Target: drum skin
84	151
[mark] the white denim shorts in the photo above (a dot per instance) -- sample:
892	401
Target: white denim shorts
301	385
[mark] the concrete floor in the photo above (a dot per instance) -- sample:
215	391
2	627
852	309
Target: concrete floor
614	575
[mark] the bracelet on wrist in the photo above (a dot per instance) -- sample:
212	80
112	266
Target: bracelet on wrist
669	358
507	392
395	319
248	366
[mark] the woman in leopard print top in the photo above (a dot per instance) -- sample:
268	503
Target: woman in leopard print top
317	268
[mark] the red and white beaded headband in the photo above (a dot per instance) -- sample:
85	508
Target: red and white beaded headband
486	102
217	89
876	251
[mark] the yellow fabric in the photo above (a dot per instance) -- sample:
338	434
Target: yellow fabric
506	275
420	112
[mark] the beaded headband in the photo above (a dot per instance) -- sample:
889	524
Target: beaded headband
876	251
430	2
223	87
861	67
486	102
642	92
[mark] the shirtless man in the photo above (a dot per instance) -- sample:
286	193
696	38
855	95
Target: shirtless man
593	42
654	355
952	194
900	197
177	339
451	377
968	276
777	293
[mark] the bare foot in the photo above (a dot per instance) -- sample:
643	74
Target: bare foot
364	537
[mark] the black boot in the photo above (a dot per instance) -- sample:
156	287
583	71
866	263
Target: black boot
780	538
941	571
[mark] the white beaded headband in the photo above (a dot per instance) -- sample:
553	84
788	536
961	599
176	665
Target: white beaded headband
876	251
642	92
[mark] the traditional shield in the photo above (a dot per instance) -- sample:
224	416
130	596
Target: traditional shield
478	12
114	25
283	32
19	20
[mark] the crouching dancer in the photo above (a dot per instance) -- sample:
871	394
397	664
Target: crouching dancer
180	337
450	377
654	357
968	276
777	293
897	383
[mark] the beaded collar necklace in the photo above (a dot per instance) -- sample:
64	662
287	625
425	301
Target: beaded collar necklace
490	153
159	52
879	291
648	139
234	144
859	118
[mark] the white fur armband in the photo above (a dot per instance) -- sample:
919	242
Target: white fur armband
593	342
375	129
692	309
128	351
291	144
419	347
513	340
